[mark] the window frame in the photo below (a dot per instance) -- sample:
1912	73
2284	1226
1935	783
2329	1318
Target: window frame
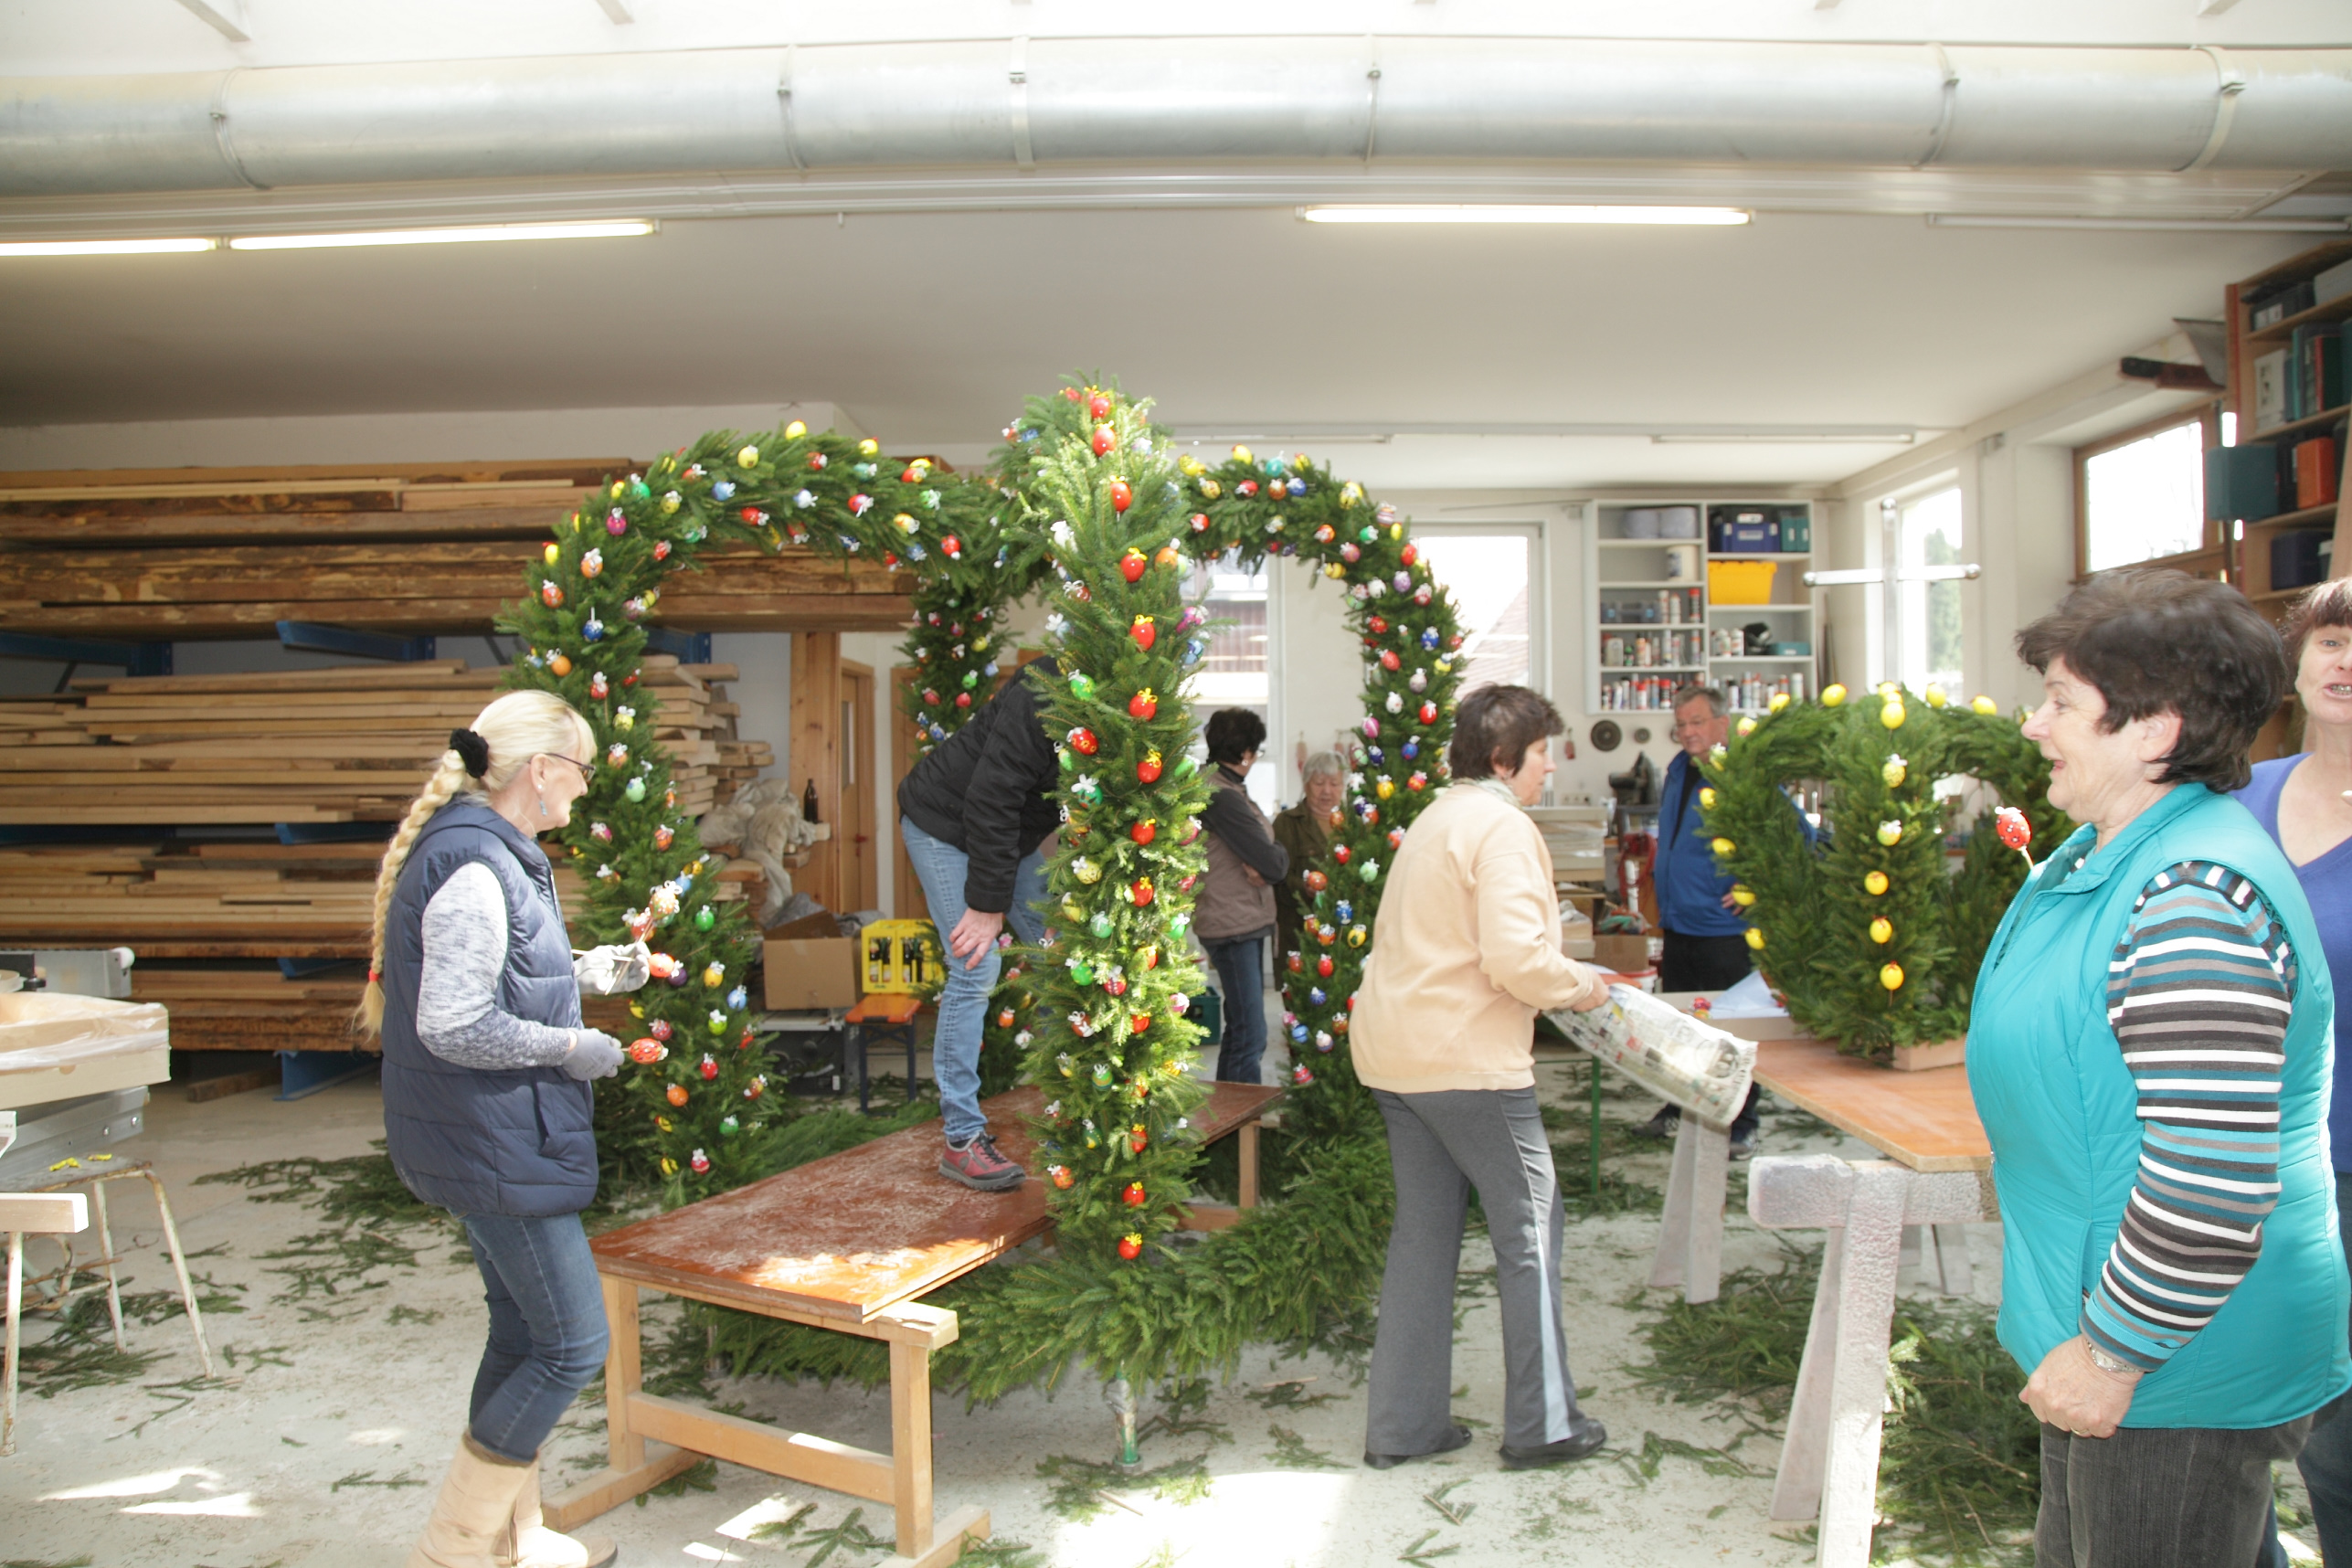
1539	628
2207	416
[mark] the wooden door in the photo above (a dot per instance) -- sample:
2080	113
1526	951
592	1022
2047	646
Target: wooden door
860	859
816	756
906	888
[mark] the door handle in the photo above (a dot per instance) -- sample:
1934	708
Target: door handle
859	839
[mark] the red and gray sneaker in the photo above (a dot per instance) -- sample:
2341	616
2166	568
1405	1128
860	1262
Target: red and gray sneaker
978	1164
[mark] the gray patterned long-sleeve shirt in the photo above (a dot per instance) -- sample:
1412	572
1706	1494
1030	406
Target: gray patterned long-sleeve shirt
458	1015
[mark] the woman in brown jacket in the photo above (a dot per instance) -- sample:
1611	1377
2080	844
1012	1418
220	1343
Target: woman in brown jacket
1466	951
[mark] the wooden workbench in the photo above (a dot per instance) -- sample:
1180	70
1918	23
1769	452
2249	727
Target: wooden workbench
846	1242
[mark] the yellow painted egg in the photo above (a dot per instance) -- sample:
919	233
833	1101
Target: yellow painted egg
1883	930
1986	706
1745	896
1877	884
1890	977
1724	847
1890	833
1756	940
1832	696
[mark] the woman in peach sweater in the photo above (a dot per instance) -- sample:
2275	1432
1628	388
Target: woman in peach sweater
1467	950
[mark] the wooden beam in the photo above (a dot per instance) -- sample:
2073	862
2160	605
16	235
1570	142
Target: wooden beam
796	1456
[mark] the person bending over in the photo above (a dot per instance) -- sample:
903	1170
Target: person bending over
973	815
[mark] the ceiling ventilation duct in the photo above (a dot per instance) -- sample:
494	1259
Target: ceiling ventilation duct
999	105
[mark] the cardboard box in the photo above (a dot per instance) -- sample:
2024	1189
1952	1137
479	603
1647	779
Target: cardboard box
808	974
1625	955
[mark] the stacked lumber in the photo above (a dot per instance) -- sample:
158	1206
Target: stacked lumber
222	900
193	901
254	1008
341	745
192	554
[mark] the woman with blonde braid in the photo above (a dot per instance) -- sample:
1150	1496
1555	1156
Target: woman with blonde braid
487	1107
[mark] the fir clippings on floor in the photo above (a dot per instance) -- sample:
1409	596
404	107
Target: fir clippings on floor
346	1324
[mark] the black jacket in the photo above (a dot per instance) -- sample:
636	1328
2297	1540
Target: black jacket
986	789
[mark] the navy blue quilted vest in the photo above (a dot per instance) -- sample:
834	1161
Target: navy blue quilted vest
477	1140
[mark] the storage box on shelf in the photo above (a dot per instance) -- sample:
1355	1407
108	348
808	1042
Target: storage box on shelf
1688	590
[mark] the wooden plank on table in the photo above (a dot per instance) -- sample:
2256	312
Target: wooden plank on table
1925	1120
852	1236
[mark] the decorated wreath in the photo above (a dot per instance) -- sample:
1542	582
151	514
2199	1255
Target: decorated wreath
1868	928
1084	499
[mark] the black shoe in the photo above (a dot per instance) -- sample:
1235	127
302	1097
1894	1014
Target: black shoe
1744	1140
1455	1437
1589	1435
1663	1126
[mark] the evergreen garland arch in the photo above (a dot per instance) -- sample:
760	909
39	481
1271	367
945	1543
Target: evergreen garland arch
1084	499
1871	940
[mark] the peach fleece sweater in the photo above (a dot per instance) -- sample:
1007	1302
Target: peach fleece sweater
1465	952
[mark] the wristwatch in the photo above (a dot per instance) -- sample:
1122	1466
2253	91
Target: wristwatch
2105	1362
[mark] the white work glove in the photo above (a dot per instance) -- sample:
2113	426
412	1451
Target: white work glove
613	970
594	1055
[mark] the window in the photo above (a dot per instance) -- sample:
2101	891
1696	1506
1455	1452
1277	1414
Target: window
1491	575
2142	494
1928	533
1234	672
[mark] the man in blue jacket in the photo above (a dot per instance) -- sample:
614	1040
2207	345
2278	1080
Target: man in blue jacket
1706	941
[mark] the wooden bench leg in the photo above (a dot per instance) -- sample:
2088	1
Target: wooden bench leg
1690	1230
1248	1136
634	1466
910	1446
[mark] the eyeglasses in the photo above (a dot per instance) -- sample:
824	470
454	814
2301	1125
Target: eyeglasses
588	769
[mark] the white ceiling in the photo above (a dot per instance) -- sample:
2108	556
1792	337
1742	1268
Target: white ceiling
1840	306
927	329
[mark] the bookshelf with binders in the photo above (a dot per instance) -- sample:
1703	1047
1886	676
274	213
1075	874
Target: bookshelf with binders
2280	489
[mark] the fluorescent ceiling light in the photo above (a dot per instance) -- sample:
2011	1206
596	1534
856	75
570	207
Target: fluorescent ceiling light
1784	437
100	247
1482	213
2131	224
442	236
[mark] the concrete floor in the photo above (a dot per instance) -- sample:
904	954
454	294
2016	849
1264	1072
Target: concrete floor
326	1448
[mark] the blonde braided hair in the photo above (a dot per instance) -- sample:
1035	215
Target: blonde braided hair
515	727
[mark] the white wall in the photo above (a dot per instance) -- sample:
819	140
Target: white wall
2015	469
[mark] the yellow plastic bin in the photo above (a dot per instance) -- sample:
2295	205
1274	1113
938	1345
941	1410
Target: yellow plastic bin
902	958
1739	582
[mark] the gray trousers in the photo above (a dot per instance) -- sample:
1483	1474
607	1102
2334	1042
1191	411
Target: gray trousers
2158	1497
1440	1145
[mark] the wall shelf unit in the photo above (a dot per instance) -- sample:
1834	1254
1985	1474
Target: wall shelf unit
2262	362
1656	621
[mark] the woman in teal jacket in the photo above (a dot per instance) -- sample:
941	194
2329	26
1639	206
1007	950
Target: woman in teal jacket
2150	1052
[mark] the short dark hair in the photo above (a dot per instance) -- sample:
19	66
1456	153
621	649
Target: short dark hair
2328	604
1701	691
2155	640
1233	731
1499	722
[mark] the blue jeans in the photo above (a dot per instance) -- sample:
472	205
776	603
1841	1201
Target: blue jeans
548	1334
1240	976
941	867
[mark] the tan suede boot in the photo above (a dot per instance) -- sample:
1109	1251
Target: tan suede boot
474	1512
527	1543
